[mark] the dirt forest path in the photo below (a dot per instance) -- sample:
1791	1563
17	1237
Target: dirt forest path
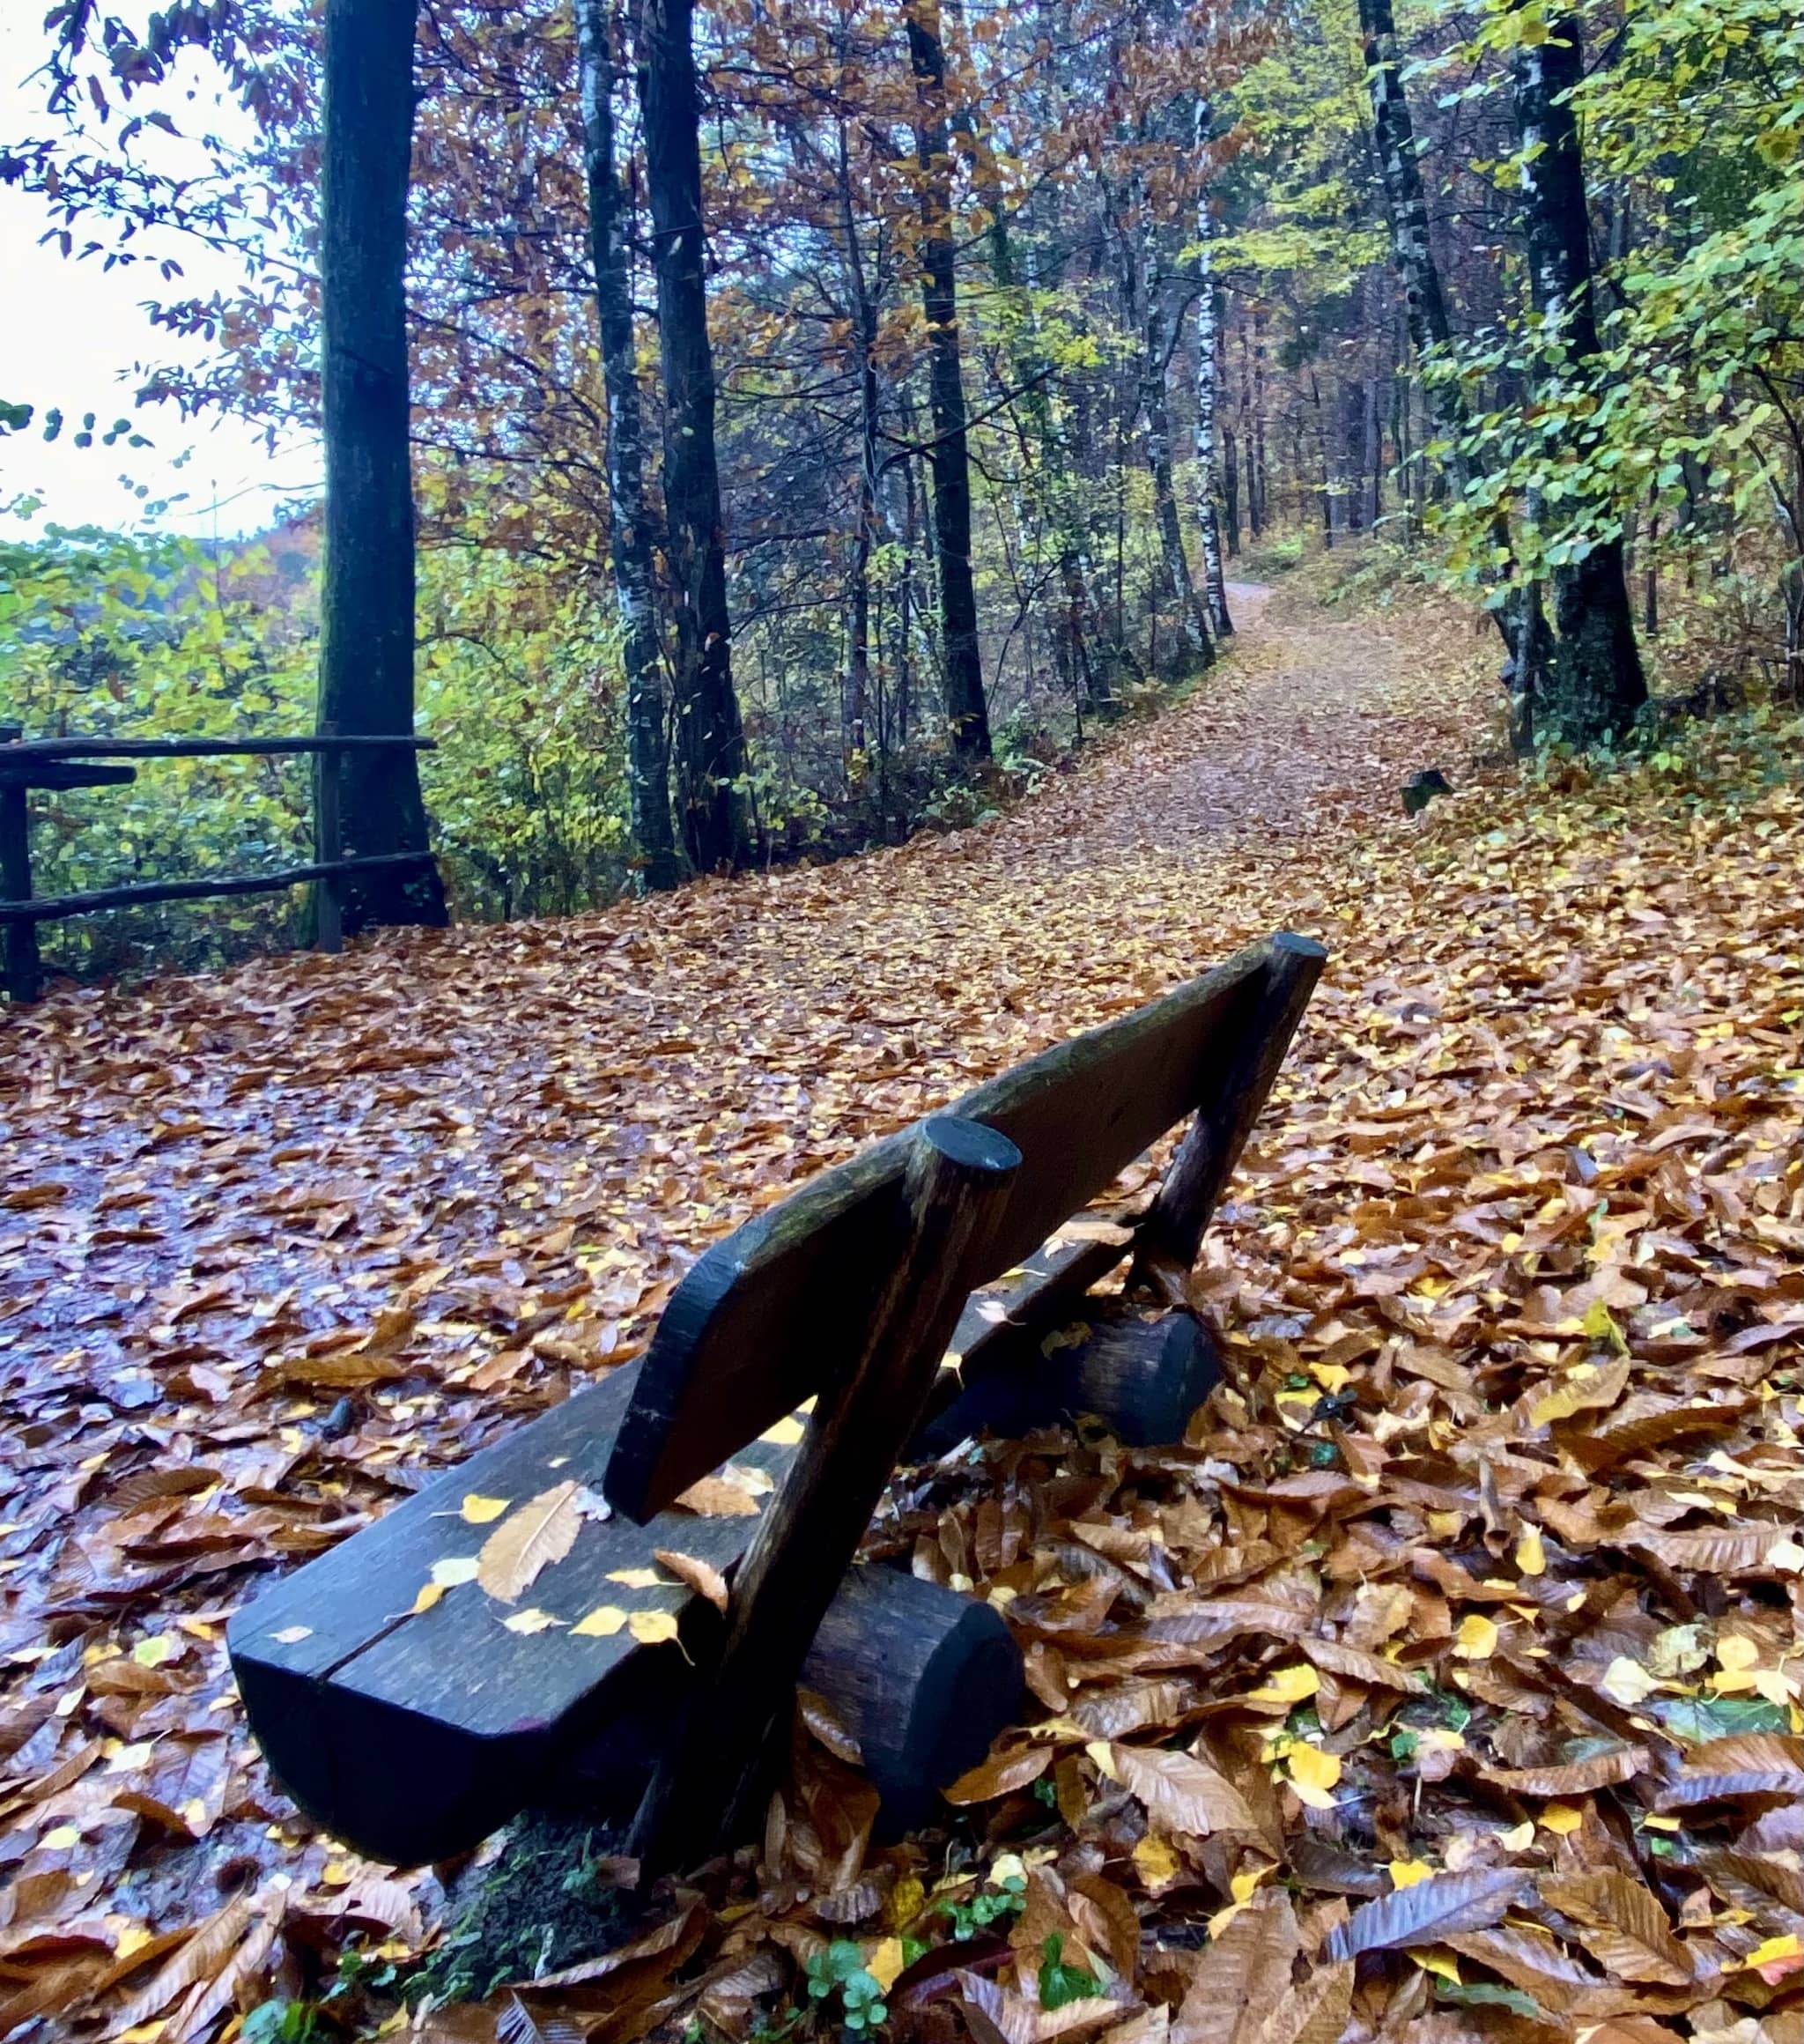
276	1245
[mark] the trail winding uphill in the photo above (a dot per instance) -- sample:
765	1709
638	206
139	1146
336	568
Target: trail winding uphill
1526	1209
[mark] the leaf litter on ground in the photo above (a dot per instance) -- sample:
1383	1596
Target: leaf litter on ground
1443	1682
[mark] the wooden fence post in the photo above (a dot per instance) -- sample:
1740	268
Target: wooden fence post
24	973
327	845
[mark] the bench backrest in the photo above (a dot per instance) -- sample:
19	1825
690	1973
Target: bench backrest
775	1313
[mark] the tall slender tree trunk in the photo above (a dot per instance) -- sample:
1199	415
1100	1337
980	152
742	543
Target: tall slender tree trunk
1594	683
366	625
1425	314
710	739
967	714
629	515
1209	389
1143	290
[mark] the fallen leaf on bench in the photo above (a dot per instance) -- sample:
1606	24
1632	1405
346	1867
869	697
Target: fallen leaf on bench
718	1497
478	1511
601	1624
785	1434
637	1578
428	1595
531	1621
541	1531
652	1628
292	1635
454	1569
701	1577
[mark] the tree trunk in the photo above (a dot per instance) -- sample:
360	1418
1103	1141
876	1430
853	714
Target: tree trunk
967	714
629	517
1595	682
366	624
1146	297
1208	388
710	739
1519	619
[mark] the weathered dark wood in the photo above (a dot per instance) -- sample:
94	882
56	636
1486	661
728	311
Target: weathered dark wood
61	775
57	907
23	969
210	748
374	1720
923	1678
1143	1378
767	1319
1172	1232
414	1733
954	1191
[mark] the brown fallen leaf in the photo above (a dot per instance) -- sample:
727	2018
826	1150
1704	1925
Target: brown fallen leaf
1001	1774
701	1576
541	1531
1626	1930
1242	1975
1181	1793
1428	1911
1604	1770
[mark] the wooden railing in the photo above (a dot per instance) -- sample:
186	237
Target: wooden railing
62	763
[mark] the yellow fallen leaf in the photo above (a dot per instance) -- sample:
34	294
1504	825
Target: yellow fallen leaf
1786	1554
1531	1553
650	1628
907	1899
1661	1824
452	1569
886	1962
429	1594
1313	1774
1287	1685
1476	1639
480	1511
1519	1839
1773	1950
1331	1376
154	1653
785	1434
1156	1863
1244	1885
1442	1965
1406	1873
1736	1652
62	1838
531	1621
601	1624
1562	1819
1103	1754
635	1578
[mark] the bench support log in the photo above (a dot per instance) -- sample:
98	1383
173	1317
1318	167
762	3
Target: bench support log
956	1181
1143	1378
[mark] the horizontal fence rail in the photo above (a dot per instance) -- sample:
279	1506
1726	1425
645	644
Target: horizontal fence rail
53	763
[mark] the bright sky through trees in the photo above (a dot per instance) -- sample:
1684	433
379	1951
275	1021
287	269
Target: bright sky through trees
74	332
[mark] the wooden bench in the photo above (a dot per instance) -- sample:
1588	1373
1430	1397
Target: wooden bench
412	1720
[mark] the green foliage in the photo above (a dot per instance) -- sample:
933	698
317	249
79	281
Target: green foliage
840	1970
988	1905
1060	1984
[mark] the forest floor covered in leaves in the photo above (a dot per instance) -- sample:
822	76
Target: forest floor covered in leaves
1444	1684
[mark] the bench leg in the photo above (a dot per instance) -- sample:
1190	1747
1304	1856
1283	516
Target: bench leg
957	1181
1171	1233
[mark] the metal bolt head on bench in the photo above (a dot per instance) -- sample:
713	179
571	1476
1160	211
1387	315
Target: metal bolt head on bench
414	1731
